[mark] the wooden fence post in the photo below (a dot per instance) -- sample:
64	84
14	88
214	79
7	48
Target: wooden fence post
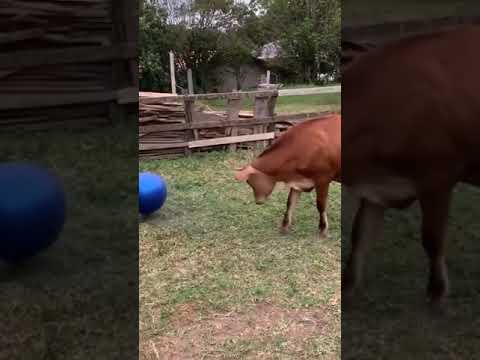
189	133
190	81
264	110
234	105
172	73
272	101
259	113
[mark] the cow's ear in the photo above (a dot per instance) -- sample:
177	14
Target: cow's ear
243	173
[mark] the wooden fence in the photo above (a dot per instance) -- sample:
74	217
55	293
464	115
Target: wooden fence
68	62
171	126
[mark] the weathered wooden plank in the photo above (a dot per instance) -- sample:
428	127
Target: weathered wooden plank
301	116
239	123
151	99
143	146
24	101
30	58
231	139
206	125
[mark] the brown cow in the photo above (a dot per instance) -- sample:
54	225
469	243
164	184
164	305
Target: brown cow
412	113
305	157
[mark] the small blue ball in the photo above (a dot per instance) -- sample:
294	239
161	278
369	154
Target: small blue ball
152	190
32	210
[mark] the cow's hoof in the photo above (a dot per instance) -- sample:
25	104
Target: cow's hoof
438	310
284	230
438	306
323	234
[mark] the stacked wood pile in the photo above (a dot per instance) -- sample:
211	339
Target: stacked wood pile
64	62
156	116
172	126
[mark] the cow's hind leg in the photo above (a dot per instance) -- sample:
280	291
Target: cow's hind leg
435	208
322	196
367	225
292	201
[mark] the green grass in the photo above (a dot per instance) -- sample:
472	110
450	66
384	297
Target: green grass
390	319
303	86
211	251
291	104
73	301
379	11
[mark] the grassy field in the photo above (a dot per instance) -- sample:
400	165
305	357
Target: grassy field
303	86
356	13
391	319
78	300
218	281
291	104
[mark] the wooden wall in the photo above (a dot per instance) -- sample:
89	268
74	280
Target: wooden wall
67	62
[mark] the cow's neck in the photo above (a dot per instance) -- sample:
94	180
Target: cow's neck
270	163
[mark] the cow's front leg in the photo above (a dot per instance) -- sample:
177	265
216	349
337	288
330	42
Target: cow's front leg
322	196
366	226
292	201
435	208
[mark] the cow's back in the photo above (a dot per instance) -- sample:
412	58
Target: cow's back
311	149
412	108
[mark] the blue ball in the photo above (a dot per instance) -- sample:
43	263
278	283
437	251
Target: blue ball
32	210
152	190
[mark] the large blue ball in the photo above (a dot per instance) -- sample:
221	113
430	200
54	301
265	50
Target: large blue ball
32	210
152	190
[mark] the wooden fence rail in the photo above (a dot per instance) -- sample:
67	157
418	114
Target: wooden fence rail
171	126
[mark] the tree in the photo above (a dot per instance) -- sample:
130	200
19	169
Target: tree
207	36
308	32
236	54
155	40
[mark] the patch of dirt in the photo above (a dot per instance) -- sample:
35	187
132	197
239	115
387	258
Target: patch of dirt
194	336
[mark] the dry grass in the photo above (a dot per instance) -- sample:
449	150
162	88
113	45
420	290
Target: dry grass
217	280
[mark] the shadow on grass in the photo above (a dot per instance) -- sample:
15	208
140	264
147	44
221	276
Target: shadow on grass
391	318
78	299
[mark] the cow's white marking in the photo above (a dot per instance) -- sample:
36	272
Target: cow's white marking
301	184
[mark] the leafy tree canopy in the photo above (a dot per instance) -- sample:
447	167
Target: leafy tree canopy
206	34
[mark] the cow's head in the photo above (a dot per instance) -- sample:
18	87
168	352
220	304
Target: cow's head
261	183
